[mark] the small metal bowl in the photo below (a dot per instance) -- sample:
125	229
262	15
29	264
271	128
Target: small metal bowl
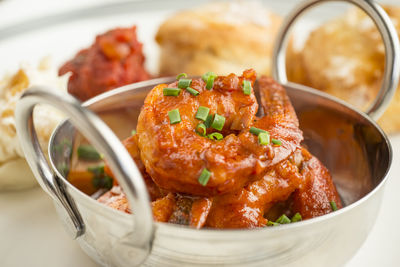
355	150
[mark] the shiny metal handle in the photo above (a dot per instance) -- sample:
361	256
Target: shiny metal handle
101	136
390	40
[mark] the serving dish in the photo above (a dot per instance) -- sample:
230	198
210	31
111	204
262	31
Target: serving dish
304	100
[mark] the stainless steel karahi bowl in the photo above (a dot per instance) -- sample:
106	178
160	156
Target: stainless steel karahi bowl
351	145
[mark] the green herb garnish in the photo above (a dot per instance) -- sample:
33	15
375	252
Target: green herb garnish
184	83
204	177
171	91
263	138
97	170
333	205
181	75
215	136
201	129
246	87
88	152
257	131
209	78
202	113
297	217
174	116
101	179
276	142
283	219
192	91
209	120
218	122
271	223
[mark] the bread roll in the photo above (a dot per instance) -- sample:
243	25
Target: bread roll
223	37
345	57
14	171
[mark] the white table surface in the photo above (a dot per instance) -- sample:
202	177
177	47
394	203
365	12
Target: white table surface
30	233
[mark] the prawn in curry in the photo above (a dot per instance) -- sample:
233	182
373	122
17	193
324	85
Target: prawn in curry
209	160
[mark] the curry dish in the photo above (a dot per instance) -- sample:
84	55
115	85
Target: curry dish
113	60
212	157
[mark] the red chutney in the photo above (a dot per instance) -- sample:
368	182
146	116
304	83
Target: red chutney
115	59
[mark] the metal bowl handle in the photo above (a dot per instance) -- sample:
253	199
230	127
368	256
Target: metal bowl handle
389	36
106	142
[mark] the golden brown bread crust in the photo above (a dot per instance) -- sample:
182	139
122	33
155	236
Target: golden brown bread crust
345	58
222	37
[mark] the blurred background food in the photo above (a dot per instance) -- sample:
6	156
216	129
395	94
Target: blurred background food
14	171
345	57
225	37
113	60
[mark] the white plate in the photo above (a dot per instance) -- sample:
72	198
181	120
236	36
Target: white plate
30	232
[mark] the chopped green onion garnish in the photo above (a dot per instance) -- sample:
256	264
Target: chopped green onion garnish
210	83
283	219
97	181
171	91
257	131
192	91
333	205
271	223
102	182
207	74
276	142
263	138
204	177
296	217
133	132
107	182
209	78
215	136
201	129
202	113
218	122
87	152
246	87
174	116
97	170
100	179
184	83
208	121
181	75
